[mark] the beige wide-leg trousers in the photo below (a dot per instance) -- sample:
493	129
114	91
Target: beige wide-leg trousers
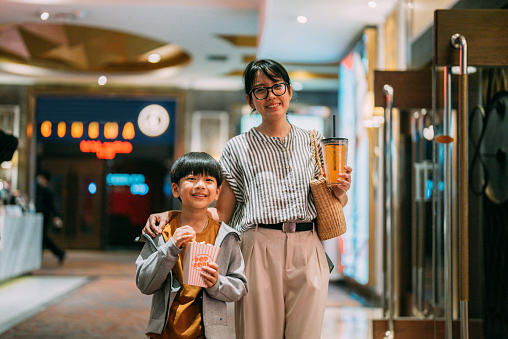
288	276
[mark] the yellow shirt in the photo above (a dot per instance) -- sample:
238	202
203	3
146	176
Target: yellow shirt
184	319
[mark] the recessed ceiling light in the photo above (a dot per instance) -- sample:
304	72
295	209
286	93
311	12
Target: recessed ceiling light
44	16
301	19
372	4
102	80
154	58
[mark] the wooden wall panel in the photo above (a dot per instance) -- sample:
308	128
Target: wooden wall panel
486	33
412	89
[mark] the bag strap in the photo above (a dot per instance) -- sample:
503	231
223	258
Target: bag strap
315	154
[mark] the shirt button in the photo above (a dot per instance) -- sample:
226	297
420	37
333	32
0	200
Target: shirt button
287	166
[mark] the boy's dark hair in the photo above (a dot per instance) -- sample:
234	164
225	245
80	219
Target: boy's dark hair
196	163
272	69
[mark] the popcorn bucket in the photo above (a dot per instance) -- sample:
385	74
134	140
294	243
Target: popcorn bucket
197	255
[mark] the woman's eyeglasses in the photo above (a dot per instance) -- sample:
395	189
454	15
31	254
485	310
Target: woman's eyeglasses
262	92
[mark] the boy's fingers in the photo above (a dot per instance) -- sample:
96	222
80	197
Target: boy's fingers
212	269
213	265
207	275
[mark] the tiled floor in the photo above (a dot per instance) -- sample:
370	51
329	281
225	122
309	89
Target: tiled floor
93	295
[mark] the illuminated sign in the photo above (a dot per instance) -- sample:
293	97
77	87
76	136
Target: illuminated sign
105	150
139	189
135	181
77	129
122	179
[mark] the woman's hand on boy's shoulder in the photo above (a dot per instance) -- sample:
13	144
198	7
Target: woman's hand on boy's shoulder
182	235
156	222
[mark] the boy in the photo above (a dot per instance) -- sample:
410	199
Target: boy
184	311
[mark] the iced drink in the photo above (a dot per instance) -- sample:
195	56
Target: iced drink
335	154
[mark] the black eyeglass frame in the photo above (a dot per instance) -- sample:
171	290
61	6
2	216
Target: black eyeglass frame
268	89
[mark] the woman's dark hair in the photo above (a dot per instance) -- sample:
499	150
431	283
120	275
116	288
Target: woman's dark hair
272	69
196	163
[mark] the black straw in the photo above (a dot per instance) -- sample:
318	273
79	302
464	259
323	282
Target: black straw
333	125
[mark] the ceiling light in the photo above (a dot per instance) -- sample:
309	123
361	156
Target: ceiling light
154	58
372	4
301	19
102	80
70	15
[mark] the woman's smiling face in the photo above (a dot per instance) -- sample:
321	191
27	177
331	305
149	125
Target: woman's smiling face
273	107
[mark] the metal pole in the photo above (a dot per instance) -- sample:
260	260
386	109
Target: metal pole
458	41
388	91
435	206
448	240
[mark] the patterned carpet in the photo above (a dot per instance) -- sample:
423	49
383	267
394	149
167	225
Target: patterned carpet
110	306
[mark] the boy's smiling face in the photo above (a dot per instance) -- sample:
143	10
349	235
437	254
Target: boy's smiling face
196	190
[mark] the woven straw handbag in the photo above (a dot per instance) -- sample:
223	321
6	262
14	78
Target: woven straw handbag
330	218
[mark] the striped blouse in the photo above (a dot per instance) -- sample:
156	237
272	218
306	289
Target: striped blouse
270	178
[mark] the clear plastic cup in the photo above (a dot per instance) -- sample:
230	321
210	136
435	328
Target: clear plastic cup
335	154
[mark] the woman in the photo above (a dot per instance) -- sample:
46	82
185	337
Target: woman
267	197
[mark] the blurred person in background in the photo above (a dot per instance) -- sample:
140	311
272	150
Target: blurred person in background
45	204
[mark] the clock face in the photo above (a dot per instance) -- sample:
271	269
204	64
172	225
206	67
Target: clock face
153	120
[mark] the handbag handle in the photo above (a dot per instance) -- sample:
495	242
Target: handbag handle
315	154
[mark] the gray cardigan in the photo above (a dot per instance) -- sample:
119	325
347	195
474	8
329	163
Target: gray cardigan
154	276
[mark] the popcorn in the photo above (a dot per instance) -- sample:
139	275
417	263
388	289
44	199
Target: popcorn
197	255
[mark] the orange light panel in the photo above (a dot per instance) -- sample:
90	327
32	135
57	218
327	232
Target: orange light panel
111	130
77	129
93	130
128	131
61	129
46	129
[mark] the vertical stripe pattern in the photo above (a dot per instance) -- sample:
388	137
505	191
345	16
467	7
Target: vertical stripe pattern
269	177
